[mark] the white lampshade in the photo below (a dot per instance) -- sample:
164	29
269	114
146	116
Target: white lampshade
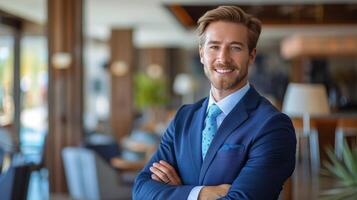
301	99
183	84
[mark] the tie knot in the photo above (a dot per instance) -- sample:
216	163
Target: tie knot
214	111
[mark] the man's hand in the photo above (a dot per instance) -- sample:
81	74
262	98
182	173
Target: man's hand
213	192
165	173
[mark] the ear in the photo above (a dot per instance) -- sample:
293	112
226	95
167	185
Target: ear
252	56
201	53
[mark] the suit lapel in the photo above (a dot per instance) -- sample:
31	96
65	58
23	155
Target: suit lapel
234	119
196	135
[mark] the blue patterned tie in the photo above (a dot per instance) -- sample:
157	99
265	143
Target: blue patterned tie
210	128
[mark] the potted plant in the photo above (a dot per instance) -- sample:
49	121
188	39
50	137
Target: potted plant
345	170
149	91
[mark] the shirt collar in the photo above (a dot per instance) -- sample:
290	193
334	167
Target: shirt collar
229	102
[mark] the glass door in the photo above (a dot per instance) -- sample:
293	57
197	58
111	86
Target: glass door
6	76
33	87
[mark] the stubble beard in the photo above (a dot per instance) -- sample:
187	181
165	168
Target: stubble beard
226	83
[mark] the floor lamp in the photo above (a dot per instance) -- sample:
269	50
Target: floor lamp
306	100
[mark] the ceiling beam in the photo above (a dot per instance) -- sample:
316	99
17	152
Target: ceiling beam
278	14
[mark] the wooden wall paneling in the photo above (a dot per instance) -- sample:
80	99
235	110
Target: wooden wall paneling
65	100
122	102
297	71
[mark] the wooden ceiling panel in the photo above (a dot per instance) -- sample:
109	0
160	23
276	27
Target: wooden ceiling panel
290	14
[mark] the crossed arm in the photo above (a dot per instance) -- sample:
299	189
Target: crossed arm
160	180
163	172
270	162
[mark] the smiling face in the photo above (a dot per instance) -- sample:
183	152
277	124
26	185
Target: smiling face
226	57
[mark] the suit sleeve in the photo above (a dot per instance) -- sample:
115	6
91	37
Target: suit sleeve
270	162
146	188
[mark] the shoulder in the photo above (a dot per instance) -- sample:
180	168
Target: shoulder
273	127
270	117
260	110
268	110
276	124
189	109
184	116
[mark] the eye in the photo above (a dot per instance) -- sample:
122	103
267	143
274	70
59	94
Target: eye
214	47
236	48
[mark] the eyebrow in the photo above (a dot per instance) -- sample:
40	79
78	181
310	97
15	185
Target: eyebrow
217	42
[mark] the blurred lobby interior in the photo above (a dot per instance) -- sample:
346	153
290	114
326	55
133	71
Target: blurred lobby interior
87	88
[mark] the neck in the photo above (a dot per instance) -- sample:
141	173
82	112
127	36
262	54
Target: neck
219	94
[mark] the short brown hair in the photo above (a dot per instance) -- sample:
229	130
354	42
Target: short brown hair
230	14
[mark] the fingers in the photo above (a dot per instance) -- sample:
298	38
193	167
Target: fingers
224	189
226	186
159	175
167	165
165	173
214	192
167	169
156	178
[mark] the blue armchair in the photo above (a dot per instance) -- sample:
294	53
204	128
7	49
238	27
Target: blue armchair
90	177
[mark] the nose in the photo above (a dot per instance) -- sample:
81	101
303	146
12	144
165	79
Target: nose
223	56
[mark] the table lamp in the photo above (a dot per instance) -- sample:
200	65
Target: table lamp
305	100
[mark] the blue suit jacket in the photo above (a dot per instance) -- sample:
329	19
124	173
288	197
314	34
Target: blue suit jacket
253	149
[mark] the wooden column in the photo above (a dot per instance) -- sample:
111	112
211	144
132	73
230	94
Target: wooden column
122	102
65	98
297	70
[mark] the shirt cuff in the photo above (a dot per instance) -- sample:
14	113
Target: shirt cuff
194	193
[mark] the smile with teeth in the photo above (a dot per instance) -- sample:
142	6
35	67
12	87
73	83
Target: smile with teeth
224	71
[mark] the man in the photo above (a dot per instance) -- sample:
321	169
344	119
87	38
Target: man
233	144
